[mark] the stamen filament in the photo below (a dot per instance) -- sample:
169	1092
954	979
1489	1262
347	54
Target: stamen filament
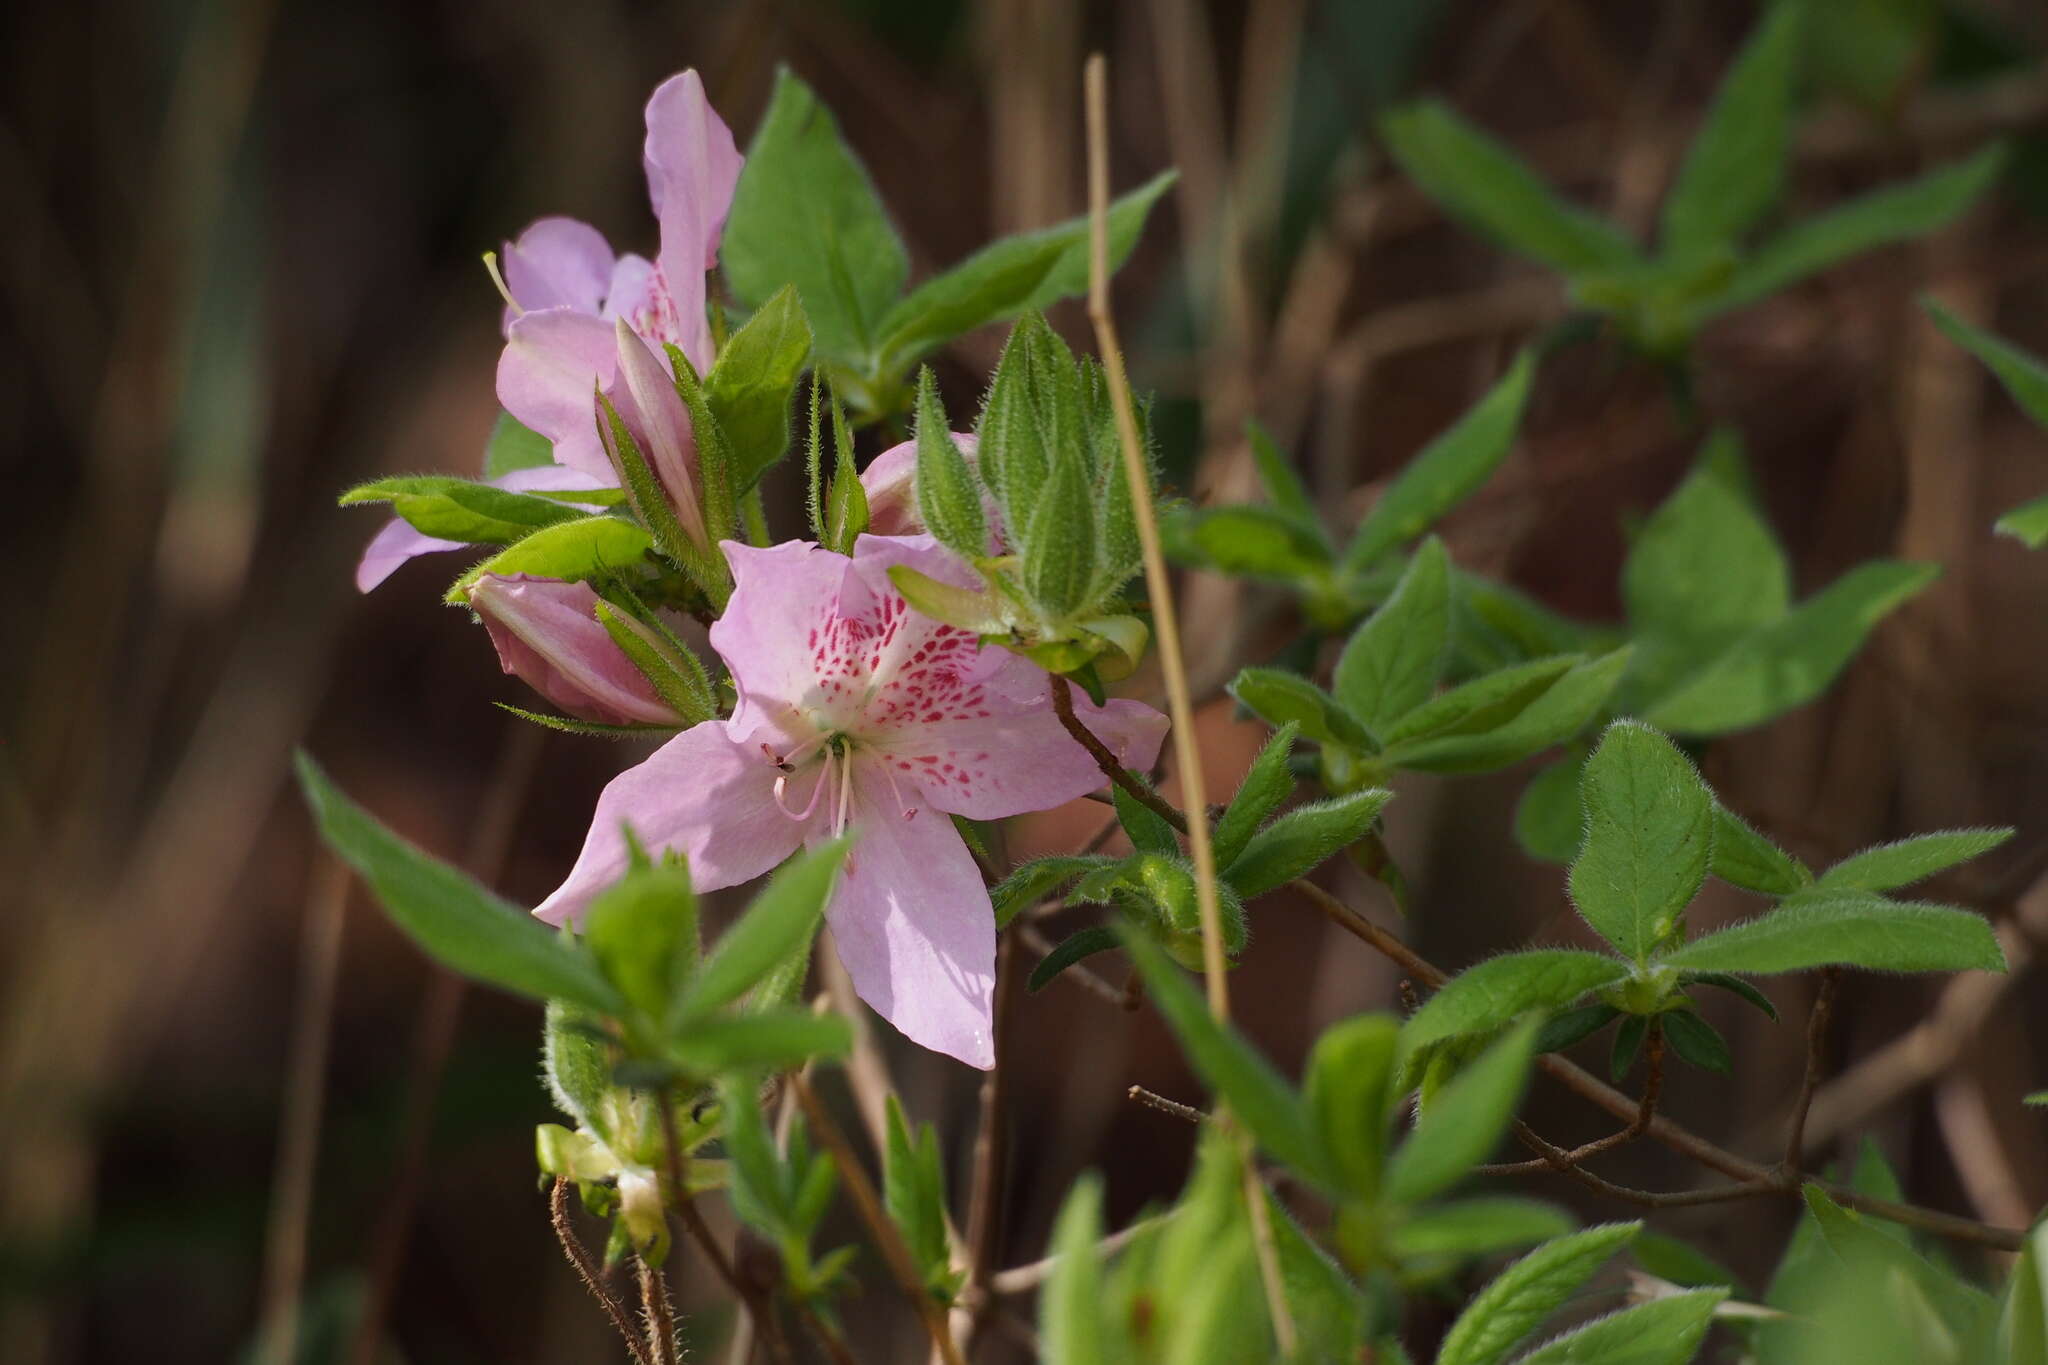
491	265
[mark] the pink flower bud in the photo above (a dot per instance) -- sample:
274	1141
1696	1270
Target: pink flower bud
547	633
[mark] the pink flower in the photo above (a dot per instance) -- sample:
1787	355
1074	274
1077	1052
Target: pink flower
857	713
568	288
547	632
890	481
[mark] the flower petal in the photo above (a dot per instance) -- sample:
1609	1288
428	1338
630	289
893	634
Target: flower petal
559	263
692	166
785	602
914	926
701	794
554	361
653	411
397	541
547	633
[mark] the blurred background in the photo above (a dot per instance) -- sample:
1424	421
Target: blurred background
239	272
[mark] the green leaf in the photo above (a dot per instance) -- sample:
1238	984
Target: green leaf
784	915
1478	707
1250	540
454	919
2027	523
1034	881
1664	1331
715	463
1462	1125
1572	1027
1477	1227
1330	1311
1557	714
1282	698
1735	169
805	213
1733	984
1031	270
1391	664
1269	1109
513	445
643	933
1350	1096
1851	929
770	1040
1895	213
1696	1041
1059	550
1500	990
1681	1263
1628	1041
1549	820
1283	486
914	1193
1893	865
1790	662
1518	1300
1449	469
1148	830
593	547
754	380
2023	1307
670	666
576	1062
1034	411
1299	841
457	509
1744	858
1071	1319
1267	782
948	497
1071	949
1649	839
2024	375
1490	190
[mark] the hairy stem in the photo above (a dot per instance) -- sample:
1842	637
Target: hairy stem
660	1315
587	1271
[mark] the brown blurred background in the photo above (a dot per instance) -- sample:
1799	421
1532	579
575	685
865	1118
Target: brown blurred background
238	271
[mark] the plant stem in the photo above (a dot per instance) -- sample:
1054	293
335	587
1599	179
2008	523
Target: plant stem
587	1271
888	1239
660	1315
1816	1045
700	1232
1063	707
1165	1105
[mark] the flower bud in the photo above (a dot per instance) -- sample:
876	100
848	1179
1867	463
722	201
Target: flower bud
547	633
891	484
644	395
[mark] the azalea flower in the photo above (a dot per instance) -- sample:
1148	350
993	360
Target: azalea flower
567	290
547	633
856	713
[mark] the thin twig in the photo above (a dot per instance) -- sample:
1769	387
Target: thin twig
1646	1111
1025	1278
656	1309
588	1272
888	1238
985	1194
1165	1105
1172	660
1105	759
827	1335
1816	1047
700	1232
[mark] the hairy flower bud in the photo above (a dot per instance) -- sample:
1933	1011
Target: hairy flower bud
547	633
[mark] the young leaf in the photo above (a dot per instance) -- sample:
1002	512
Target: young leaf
948	497
1039	878
1895	213
1084	943
1449	469
1249	540
2027	523
1649	838
456	509
783	915
914	1193
1735	985
1392	662
1549	820
1628	1041
1664	1331
1889	866
1350	1097
1034	409
1518	1300
1241	1078
1464	1123
1500	990
805	213
643	933
1148	830
1485	186
2024	376
1071	1319
1478	707
1696	1041
670	666
1850	929
454	919
578	550
1791	661
1744	858
1555	715
1284	488
575	1061
1735	169
513	445
751	385
1299	841
1282	698
1561	1031
1266	784
1059	548
1477	1227
766	1040
1032	270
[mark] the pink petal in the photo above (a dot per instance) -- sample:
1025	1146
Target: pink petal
692	166
654	412
700	794
397	542
554	361
559	263
914	926
890	481
785	600
547	633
